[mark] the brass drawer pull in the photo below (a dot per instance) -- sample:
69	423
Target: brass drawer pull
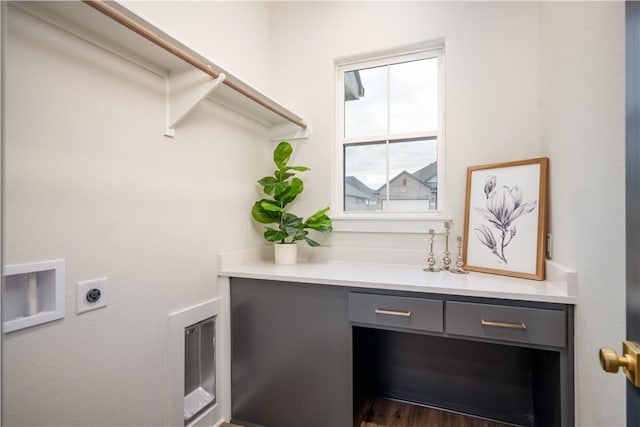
393	312
507	325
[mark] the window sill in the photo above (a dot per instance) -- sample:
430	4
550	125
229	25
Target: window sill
388	224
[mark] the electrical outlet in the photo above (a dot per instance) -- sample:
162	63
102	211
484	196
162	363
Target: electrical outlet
549	246
91	294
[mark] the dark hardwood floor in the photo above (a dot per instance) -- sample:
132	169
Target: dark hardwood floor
381	412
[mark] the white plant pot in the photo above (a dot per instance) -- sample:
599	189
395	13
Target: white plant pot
285	253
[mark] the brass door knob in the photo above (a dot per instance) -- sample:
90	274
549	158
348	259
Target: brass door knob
629	361
611	362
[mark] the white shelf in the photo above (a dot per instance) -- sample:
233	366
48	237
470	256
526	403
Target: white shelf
85	22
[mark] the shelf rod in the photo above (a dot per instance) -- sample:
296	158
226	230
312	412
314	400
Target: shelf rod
134	26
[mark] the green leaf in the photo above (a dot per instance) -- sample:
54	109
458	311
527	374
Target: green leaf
272	186
323	226
297	234
263	216
272	235
292	225
319	221
292	191
290	220
283	176
311	242
270	206
298	168
267	180
280	188
318	215
282	154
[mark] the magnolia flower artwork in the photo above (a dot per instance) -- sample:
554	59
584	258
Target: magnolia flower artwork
503	207
505	218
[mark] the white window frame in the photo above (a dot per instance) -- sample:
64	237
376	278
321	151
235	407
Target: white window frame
390	222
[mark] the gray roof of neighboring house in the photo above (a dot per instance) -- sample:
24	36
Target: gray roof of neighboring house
353	89
427	172
356	188
401	174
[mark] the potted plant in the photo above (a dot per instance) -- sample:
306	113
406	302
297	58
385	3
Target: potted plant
283	188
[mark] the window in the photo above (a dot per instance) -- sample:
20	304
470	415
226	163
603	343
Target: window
390	139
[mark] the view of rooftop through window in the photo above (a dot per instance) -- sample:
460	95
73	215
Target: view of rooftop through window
390	146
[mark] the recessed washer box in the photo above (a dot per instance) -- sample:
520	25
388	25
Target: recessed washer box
34	293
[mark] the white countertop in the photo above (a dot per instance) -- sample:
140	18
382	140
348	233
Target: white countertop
344	267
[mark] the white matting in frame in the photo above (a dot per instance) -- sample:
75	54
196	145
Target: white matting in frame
505	218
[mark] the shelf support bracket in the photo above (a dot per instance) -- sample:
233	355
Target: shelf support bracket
289	132
184	89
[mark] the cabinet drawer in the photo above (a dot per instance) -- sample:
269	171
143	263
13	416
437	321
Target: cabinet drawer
518	324
400	312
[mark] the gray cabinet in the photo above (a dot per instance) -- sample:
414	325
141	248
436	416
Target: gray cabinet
291	354
307	355
392	311
505	323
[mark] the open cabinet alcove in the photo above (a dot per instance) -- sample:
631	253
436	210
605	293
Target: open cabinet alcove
495	384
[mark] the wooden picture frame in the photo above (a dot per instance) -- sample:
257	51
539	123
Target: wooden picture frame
505	218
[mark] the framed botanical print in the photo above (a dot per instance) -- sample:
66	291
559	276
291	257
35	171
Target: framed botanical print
505	218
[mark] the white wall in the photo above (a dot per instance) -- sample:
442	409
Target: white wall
235	35
91	179
491	67
115	198
582	125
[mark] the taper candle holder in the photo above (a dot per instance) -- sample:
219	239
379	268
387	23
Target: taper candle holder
446	260
459	263
431	261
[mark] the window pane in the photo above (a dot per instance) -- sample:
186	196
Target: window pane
365	102
414	96
412	180
390	133
413	176
365	170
